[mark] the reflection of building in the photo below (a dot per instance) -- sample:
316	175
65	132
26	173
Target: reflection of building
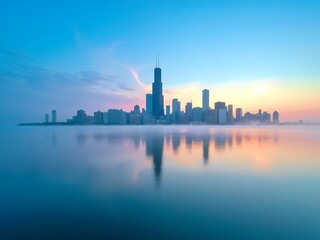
154	148
220	140
205	146
175	140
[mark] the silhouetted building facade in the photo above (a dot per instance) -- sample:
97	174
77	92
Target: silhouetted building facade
205	99
221	112
197	115
176	110
275	117
238	114
46	118
98	117
209	116
188	111
157	96
230	114
149	104
54	116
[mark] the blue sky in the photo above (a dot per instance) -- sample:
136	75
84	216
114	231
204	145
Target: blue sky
67	55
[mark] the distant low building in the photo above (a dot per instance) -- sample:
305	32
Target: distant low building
46	118
54	116
98	117
116	116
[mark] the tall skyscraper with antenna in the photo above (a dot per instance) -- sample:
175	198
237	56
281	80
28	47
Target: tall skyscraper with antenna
157	96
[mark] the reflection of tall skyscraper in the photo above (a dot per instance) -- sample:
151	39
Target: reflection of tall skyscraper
205	99
154	148
54	116
175	140
205	146
149	103
157	97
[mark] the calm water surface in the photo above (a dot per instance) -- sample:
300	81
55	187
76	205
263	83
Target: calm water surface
159	182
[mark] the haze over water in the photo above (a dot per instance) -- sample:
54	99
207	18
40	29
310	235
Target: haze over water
156	182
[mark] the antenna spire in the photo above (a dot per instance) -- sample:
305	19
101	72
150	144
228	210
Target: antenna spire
157	62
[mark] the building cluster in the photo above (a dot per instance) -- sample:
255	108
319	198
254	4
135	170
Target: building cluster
155	113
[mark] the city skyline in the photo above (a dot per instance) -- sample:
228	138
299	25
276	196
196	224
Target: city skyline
255	54
153	112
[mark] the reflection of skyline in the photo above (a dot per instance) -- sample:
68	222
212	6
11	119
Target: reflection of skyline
154	149
188	147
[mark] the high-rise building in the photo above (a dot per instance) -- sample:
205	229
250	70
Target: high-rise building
188	111
54	116
176	110
168	118
168	110
175	105
149	103
220	105
157	96
221	112
275	117
46	118
230	114
205	99
238	114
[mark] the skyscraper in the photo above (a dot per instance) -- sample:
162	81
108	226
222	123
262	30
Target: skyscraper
54	116
205	99
46	118
189	111
221	112
275	117
238	114
176	110
157	96
230	114
175	105
168	110
149	103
